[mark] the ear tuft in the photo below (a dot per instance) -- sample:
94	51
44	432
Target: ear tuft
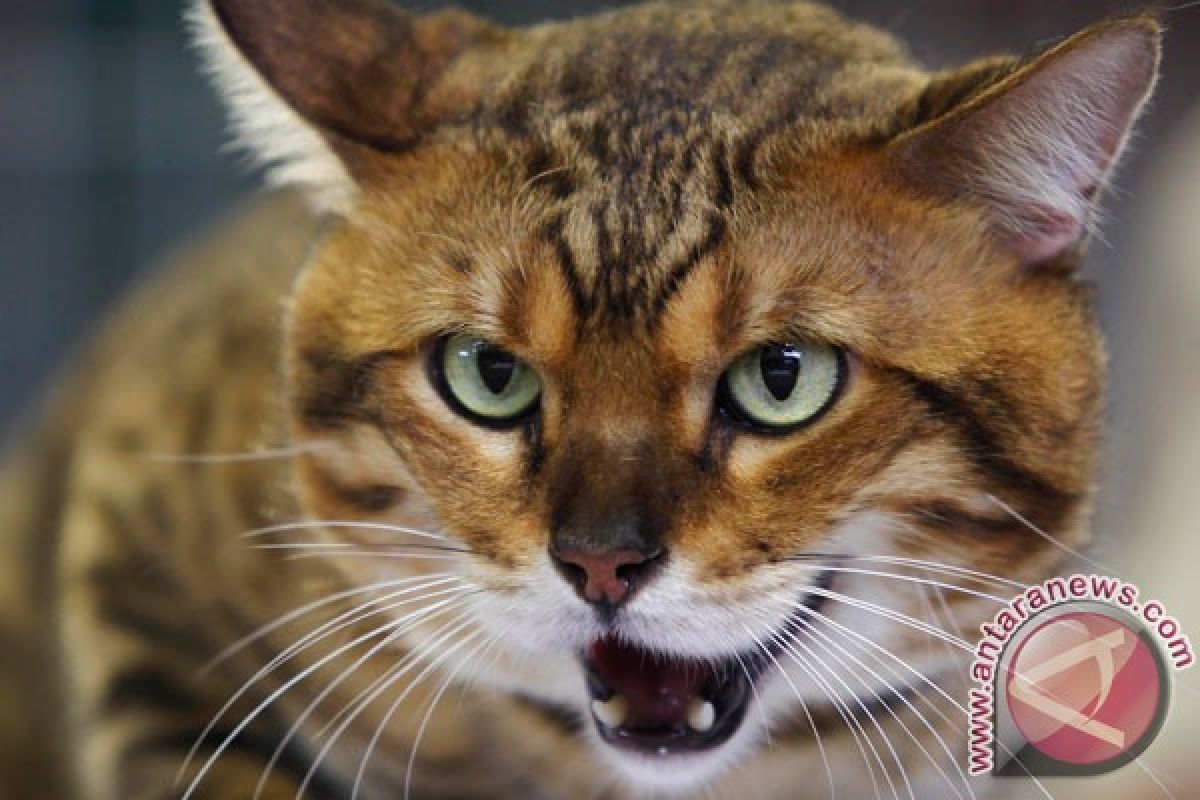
1036	146
263	125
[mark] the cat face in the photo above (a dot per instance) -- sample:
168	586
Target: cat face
717	349
630	439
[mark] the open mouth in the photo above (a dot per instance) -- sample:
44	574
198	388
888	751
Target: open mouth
657	704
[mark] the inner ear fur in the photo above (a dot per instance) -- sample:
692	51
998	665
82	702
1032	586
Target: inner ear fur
1032	142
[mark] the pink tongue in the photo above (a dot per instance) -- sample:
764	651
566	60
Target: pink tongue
657	689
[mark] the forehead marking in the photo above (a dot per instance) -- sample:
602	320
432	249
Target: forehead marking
637	230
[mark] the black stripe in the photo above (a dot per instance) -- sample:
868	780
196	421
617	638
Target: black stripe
535	449
172	745
607	256
945	517
336	388
746	158
555	234
540	168
371	498
564	719
638	254
132	601
828	721
459	262
713	236
986	448
718	442
723	191
144	686
144	622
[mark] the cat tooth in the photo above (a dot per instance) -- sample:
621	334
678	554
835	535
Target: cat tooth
701	714
613	712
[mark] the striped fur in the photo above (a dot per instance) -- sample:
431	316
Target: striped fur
628	203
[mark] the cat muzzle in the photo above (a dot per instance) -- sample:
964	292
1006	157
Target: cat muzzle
657	704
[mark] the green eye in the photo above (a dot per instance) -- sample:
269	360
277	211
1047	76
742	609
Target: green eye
488	383
781	386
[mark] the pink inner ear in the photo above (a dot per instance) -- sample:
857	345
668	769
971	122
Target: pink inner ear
1063	128
1045	233
1034	150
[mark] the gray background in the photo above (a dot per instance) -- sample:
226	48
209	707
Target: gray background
110	149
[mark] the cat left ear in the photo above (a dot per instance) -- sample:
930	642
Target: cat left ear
1034	143
317	90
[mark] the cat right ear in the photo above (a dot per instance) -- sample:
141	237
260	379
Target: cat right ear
1032	143
318	91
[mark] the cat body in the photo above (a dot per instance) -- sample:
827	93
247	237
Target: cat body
573	427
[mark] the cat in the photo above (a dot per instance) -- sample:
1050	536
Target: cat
647	404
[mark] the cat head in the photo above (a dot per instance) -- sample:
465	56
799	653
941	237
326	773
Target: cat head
709	337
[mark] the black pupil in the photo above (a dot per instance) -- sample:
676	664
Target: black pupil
780	365
496	369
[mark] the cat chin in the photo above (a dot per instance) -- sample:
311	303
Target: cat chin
681	773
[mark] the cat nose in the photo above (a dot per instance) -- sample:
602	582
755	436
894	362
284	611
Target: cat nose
605	578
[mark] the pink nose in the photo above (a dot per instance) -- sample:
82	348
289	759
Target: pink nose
603	577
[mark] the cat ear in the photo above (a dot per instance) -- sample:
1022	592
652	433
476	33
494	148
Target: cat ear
1034	141
317	89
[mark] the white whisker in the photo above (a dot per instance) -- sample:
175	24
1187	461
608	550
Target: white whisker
762	709
265	454
906	578
940	566
492	655
785	641
1048	538
369	554
354	702
808	716
398	701
1158	781
891	614
407	623
271	698
329	523
412	756
952	625
815	633
292	616
794	638
871	645
923	678
354	546
407	663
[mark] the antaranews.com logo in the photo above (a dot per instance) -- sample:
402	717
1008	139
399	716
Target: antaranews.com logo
1073	678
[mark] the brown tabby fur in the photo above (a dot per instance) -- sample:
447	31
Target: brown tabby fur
759	185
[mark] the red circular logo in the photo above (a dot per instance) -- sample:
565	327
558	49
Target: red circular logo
1084	688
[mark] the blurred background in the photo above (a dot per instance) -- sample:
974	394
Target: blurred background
111	150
